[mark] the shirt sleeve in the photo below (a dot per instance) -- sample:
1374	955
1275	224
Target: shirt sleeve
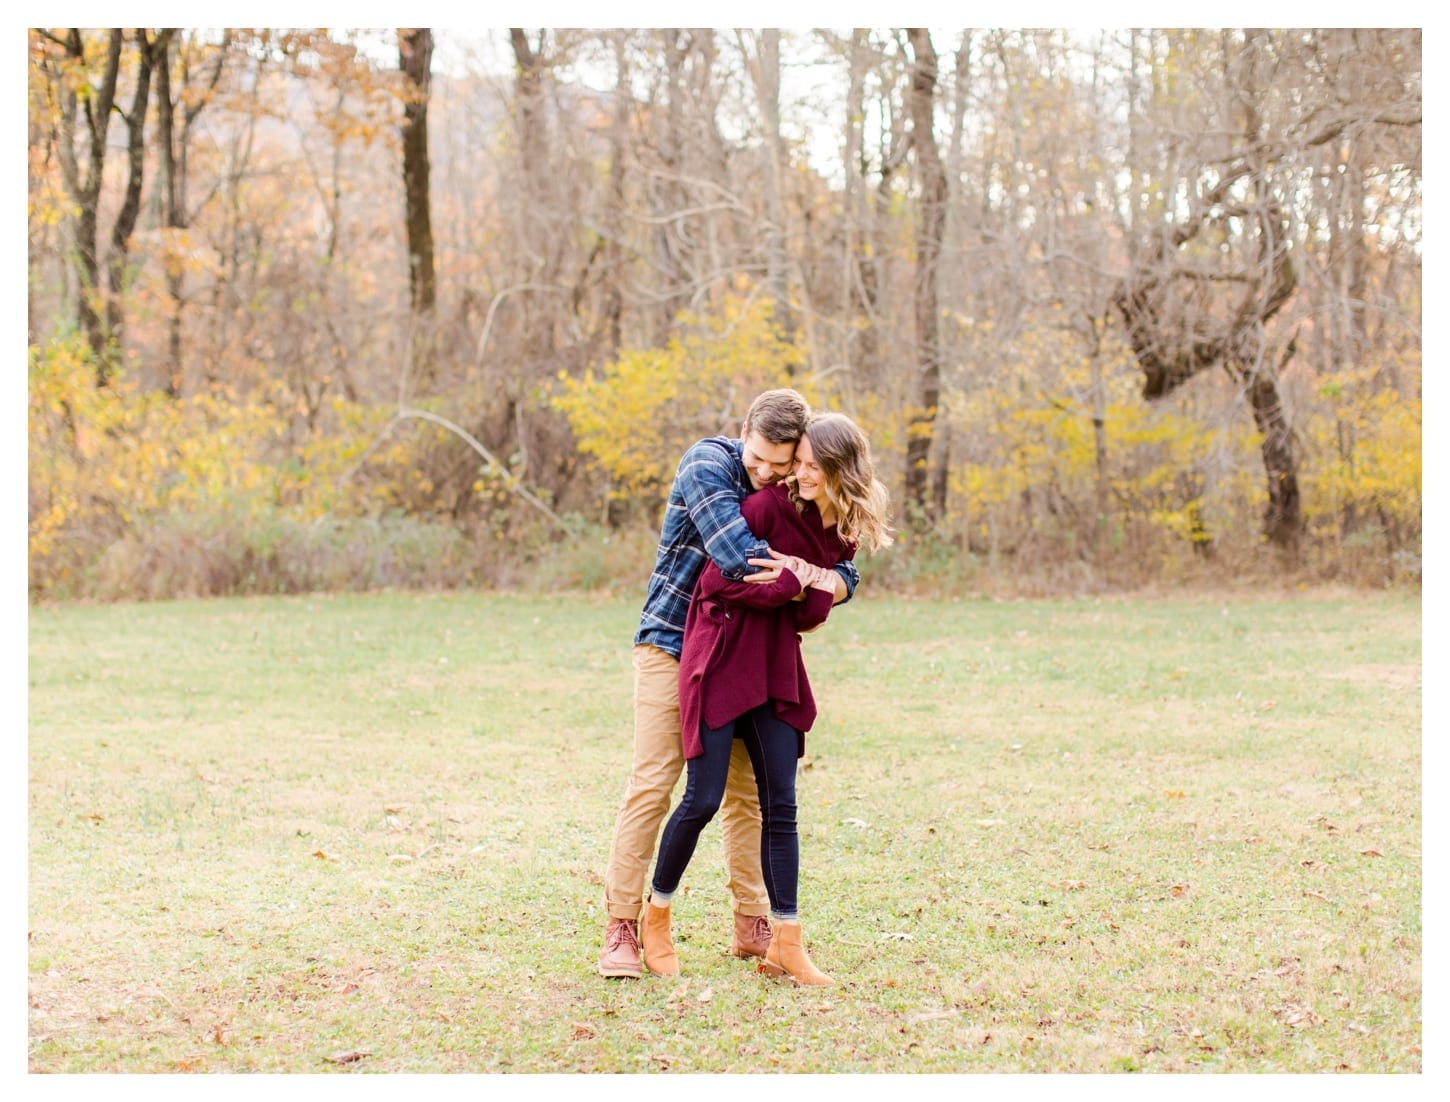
709	485
758	517
850	575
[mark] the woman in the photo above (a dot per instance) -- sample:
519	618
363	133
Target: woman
741	676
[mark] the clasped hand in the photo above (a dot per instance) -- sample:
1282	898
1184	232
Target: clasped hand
810	575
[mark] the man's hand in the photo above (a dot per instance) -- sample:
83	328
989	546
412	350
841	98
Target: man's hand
769	568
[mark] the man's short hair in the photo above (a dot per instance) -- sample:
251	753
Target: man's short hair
778	415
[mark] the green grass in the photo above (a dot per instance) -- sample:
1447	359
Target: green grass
366	834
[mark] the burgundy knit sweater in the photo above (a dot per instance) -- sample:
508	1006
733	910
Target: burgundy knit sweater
742	643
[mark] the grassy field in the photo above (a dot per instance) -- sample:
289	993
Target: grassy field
366	834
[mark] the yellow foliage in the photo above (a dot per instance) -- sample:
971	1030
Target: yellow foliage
1366	442
102	460
638	416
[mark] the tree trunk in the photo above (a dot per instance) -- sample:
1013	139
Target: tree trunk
415	59
173	146
415	53
85	188
1283	521
766	72
125	224
922	420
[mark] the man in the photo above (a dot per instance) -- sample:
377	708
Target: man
702	518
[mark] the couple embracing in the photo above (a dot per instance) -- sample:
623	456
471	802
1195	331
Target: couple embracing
755	548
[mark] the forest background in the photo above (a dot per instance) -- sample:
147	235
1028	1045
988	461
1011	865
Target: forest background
342	310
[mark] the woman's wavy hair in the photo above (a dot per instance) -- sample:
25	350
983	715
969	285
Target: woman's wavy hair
861	502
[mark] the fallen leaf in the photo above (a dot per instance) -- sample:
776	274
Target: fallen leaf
897	937
990	822
1174	793
853	822
1299	1016
706	995
583	1032
1178	891
1069	885
1316	895
1371	853
351	1056
933	1016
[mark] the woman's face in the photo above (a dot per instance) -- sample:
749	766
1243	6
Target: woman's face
810	479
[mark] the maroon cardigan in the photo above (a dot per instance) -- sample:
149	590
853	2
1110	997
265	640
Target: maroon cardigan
742	646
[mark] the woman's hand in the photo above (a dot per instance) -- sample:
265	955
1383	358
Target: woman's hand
825	578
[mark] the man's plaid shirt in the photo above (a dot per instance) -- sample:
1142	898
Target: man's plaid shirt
702	517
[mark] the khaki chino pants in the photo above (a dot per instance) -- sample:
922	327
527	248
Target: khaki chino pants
659	760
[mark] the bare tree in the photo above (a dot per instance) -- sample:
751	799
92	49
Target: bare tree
415	58
195	90
930	232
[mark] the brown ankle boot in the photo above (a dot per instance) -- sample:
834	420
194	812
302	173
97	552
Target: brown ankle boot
787	956
620	958
659	949
751	937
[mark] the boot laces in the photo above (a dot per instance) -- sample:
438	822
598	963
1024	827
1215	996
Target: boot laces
621	932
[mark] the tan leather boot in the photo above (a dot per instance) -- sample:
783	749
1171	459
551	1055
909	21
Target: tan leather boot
751	937
620	958
787	956
654	934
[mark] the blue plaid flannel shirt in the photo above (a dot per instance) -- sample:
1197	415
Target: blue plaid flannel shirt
702	518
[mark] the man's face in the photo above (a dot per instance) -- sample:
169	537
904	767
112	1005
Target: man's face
766	462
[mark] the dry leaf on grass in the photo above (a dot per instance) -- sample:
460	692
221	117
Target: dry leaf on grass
1299	1016
351	1056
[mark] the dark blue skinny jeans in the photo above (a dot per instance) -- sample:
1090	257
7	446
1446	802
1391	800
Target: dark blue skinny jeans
774	747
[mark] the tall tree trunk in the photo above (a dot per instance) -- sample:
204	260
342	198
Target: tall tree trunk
173	146
614	220
766	73
415	59
166	171
859	282
84	187
125	224
932	177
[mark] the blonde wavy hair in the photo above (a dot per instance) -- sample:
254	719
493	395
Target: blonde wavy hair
860	500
